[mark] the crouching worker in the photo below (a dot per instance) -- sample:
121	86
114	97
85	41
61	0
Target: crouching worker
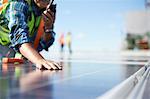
26	26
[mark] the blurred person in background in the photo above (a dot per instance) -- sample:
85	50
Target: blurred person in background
69	42
62	42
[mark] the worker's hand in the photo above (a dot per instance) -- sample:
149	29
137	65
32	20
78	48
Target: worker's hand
46	64
49	18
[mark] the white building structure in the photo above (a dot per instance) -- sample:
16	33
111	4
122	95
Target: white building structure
138	22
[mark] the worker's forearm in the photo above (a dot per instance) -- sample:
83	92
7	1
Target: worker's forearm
30	53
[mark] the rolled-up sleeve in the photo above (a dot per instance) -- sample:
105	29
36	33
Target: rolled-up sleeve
17	16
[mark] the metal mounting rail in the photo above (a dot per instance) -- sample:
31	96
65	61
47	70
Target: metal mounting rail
132	88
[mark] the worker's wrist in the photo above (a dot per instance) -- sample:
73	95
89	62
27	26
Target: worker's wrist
48	30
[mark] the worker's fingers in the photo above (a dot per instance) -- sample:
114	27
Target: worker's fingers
58	65
39	66
50	65
49	15
53	67
47	66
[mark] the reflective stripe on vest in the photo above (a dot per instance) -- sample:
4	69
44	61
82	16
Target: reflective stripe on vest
39	34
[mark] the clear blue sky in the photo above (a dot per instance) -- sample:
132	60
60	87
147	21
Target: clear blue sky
95	24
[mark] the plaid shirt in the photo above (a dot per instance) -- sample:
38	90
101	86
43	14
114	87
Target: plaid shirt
17	14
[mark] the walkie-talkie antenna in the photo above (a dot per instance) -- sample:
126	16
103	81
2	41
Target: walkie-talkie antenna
51	2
